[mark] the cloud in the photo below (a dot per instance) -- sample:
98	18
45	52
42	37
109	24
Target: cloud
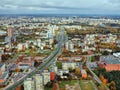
114	1
60	6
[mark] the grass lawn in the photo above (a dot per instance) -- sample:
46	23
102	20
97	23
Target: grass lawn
63	83
86	85
102	87
46	88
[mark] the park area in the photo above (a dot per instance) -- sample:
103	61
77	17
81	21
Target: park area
87	85
82	84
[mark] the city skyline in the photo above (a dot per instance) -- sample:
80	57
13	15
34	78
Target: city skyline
60	7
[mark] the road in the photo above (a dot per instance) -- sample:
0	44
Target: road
94	75
40	68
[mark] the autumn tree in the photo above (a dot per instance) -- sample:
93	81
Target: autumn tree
103	79
54	87
112	85
77	71
17	70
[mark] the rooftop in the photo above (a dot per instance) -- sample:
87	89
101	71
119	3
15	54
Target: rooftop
2	32
1	64
4	75
110	59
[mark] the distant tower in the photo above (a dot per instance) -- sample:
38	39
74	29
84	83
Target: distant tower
10	32
0	57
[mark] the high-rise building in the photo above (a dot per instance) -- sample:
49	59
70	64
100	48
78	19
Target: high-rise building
0	57
39	82
3	35
11	38
10	32
46	76
55	69
69	46
29	84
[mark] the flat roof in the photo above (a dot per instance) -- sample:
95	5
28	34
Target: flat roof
4	75
117	54
3	32
110	59
1	64
24	65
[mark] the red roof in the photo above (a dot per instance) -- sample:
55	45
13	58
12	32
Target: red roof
111	67
52	76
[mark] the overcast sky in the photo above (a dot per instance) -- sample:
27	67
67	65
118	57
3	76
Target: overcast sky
60	6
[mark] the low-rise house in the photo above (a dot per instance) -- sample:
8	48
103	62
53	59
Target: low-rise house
23	66
84	74
110	62
3	78
61	72
3	74
67	65
2	69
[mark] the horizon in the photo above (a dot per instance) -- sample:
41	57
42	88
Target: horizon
68	14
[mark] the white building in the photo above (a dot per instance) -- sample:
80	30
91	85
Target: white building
0	57
46	76
45	34
67	65
69	46
24	66
52	29
61	72
55	69
20	46
29	84
2	67
39	42
39	82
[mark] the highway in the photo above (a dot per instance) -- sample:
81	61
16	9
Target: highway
44	65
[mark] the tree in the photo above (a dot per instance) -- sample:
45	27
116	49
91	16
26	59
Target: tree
17	70
59	65
77	71
83	58
71	69
49	84
20	87
103	79
54	87
15	43
112	85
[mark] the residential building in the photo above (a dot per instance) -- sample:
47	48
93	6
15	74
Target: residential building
3	41
23	66
4	78
2	68
110	62
39	82
29	84
84	73
52	75
69	46
46	76
67	65
3	74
